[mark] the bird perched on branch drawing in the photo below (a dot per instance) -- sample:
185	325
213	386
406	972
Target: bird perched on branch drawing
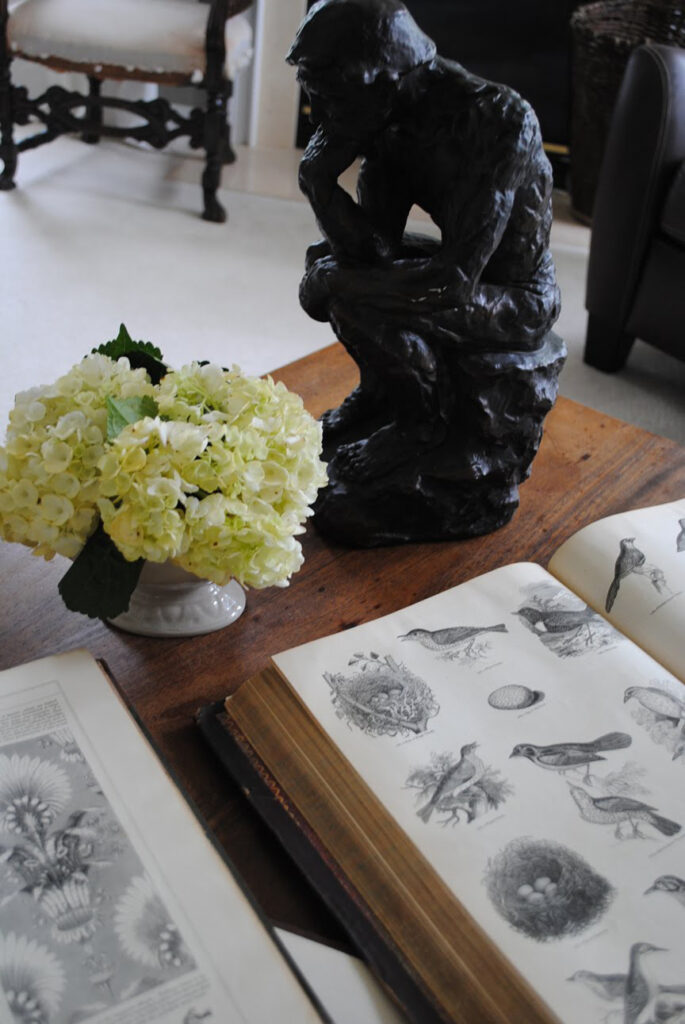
665	718
566	631
464	786
453	640
615	810
632	561
680	539
467	769
564	757
657	701
557	620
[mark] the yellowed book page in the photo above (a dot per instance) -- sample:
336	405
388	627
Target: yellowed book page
631	568
519	741
114	904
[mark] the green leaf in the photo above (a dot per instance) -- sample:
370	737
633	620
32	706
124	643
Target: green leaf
122	411
139	354
100	581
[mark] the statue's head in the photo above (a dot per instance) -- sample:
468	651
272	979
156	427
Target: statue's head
351	53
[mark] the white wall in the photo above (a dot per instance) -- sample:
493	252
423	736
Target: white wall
275	93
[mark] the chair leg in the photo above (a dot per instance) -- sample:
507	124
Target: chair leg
606	346
91	134
216	141
8	148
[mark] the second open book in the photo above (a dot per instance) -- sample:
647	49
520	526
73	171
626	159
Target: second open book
495	777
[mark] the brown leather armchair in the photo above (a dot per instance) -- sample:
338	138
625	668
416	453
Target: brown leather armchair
636	274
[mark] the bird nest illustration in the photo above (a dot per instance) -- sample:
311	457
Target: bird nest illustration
545	890
382	697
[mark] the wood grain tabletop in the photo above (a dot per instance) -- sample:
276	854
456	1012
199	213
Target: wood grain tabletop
589	465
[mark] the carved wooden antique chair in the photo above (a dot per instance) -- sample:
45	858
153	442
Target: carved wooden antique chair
167	42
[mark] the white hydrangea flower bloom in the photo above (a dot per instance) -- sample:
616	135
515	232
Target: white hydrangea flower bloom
220	481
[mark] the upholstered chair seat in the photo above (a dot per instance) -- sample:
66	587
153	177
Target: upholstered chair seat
158	38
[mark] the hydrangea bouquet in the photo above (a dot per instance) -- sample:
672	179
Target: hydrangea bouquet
124	460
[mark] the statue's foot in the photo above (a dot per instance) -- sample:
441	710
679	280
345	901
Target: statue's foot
351	460
376	455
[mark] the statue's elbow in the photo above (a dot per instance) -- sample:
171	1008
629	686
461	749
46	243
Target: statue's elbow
310	179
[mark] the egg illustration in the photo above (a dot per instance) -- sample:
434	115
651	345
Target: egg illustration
514	697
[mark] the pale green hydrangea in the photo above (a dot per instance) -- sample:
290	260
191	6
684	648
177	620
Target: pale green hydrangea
220	481
49	477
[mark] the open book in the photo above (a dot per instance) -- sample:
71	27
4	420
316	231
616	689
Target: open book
114	904
488	786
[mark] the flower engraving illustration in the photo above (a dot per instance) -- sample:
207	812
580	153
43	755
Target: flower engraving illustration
31	978
72	883
144	929
52	863
72	909
32	793
69	750
382	697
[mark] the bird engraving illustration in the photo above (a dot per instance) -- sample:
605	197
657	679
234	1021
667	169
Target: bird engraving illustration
609	987
680	539
615	810
669	884
646	1000
658	702
450	639
466	771
563	757
632	561
679	746
557	620
667	999
630	558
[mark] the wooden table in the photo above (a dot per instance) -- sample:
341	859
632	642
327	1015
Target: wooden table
589	465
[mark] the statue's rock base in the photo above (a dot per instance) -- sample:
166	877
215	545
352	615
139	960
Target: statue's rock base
403	480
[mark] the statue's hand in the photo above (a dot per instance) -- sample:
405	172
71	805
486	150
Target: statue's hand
316	251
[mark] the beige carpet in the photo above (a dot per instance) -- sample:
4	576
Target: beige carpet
98	235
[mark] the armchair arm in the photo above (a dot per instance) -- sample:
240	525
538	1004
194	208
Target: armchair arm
645	147
673	216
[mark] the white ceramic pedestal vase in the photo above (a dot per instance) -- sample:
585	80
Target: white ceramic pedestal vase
168	601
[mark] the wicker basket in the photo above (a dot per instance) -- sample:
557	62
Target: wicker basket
604	36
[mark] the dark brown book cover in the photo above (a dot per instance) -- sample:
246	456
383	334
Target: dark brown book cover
303	846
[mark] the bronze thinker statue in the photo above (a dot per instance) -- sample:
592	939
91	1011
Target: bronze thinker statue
452	335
